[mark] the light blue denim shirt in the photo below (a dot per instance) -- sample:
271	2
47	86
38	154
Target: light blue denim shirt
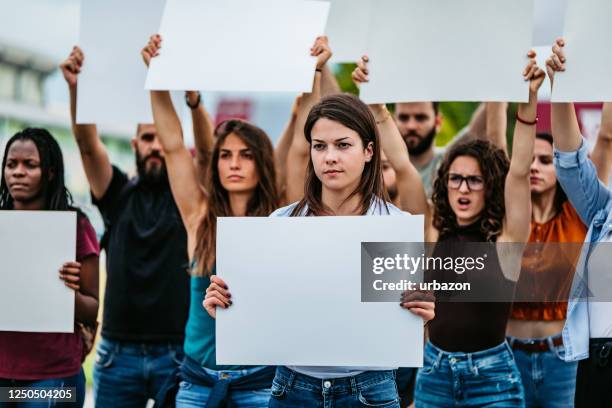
593	202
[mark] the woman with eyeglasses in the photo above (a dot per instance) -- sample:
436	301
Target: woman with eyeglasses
479	197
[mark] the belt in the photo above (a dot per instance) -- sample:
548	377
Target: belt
536	346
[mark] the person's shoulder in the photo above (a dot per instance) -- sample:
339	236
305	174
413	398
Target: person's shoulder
284	211
383	208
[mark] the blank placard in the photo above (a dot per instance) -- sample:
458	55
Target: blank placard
238	45
111	84
296	287
448	50
33	247
589	54
347	29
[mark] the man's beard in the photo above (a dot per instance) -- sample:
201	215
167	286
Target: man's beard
424	143
156	175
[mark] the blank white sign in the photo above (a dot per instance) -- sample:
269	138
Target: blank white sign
111	84
448	50
33	247
347	29
589	54
549	19
296	287
238	45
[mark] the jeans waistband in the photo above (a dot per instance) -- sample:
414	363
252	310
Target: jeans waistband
333	385
550	340
140	348
600	342
475	355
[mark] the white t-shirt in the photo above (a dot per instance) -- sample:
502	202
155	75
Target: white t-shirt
377	208
600	285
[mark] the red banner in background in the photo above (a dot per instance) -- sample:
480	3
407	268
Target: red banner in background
589	118
234	109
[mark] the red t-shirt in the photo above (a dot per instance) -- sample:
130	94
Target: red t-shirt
38	356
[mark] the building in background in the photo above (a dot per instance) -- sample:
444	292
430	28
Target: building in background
24	103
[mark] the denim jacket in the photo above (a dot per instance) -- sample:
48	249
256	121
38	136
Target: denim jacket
593	202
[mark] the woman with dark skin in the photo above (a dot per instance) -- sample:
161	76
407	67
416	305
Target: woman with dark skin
33	180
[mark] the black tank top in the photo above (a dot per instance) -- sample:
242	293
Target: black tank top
476	320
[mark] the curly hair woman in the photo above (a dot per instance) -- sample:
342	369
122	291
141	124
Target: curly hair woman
479	197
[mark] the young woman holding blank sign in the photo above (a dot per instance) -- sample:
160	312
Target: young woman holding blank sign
33	180
344	177
241	181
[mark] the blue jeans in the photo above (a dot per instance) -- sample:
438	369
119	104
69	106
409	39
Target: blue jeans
129	374
77	381
487	378
368	389
195	396
548	380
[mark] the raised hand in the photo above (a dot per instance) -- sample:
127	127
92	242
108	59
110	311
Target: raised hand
70	273
321	50
533	73
151	50
360	74
217	294
71	67
556	62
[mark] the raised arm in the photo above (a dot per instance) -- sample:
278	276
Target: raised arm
602	153
299	151
182	173
409	183
94	156
497	124
575	172
517	192
281	151
488	122
329	84
565	129
203	132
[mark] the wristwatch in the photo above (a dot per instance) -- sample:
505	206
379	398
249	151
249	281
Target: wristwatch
194	106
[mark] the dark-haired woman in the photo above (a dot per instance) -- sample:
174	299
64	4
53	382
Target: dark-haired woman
479	197
241	181
344	177
33	180
537	319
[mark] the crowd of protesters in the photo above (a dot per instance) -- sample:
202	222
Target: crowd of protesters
336	157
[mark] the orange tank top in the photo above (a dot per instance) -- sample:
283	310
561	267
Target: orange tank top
548	266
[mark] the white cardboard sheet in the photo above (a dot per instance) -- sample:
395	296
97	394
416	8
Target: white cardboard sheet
589	54
549	19
296	287
347	29
448	50
33	246
238	45
111	84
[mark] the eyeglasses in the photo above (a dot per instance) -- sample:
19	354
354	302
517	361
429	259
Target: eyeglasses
474	183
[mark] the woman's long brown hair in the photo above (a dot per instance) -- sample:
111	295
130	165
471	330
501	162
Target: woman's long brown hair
351	112
262	203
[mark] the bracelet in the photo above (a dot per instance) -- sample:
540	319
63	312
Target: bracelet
319	70
525	122
194	106
387	116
